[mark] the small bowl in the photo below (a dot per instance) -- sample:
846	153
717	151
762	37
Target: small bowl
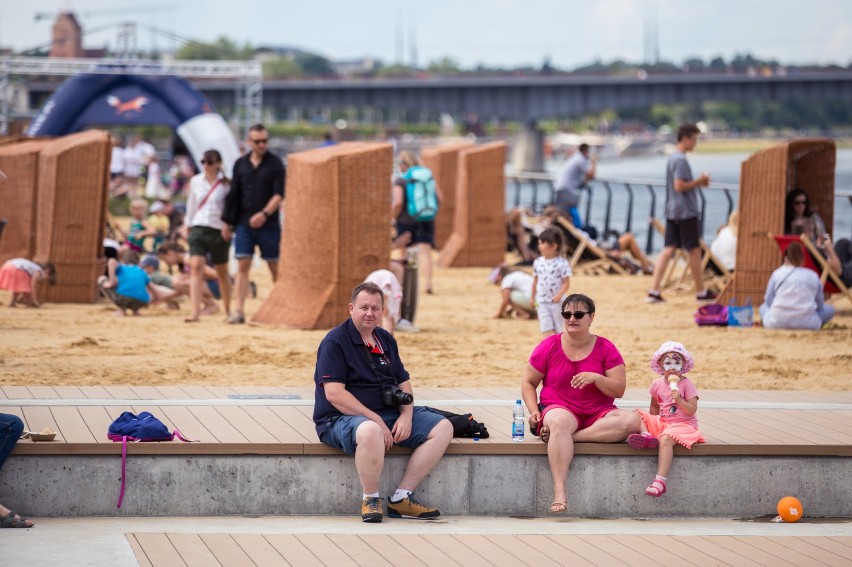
35	437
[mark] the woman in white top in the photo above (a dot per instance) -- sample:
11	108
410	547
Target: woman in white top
208	234
724	246
794	297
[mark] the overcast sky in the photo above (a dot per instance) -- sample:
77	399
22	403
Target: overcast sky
493	32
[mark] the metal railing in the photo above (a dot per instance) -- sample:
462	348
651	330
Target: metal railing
535	191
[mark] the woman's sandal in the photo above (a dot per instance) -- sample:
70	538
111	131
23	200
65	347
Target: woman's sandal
656	489
558	507
15	521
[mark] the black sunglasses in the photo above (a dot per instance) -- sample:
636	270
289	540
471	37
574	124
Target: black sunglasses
800	202
576	314
259	141
208	161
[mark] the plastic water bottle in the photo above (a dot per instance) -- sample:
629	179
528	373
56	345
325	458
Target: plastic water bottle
518	422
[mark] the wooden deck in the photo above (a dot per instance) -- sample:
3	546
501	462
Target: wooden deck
251	420
342	550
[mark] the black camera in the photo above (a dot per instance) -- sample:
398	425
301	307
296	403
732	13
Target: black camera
393	397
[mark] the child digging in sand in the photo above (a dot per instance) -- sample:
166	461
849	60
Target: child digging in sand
671	419
21	277
127	285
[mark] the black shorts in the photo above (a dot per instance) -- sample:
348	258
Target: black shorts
205	240
683	233
421	232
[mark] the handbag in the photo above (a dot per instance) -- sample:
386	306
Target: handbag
713	314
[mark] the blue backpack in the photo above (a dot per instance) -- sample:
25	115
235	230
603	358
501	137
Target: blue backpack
143	427
421	195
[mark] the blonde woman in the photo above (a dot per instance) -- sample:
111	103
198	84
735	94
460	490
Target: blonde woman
724	246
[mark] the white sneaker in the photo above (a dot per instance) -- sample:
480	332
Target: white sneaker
406	326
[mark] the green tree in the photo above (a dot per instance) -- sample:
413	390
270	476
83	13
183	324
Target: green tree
281	68
444	66
395	71
314	65
222	48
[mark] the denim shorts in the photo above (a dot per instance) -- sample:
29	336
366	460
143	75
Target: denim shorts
267	237
341	434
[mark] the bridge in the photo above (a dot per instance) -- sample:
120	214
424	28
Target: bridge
514	98
535	98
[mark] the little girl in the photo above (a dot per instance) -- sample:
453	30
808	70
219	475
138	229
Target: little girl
21	277
671	419
551	279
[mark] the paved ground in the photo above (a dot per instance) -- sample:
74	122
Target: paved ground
102	541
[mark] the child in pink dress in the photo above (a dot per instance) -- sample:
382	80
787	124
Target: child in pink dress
671	418
21	277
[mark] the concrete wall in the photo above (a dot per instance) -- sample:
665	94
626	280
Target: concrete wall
599	487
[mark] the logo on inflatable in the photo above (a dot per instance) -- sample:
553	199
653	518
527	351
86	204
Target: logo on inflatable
132	105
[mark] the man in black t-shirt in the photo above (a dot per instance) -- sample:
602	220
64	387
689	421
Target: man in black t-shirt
251	211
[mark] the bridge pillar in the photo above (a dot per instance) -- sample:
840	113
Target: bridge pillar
528	149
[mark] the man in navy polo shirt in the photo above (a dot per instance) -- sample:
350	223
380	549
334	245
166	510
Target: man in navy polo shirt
251	212
357	362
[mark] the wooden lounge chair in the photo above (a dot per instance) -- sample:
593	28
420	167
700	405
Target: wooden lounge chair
595	259
833	286
717	277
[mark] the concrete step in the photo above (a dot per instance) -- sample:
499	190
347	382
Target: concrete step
599	486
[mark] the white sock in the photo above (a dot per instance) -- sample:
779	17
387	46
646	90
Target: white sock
400	494
661	478
373	495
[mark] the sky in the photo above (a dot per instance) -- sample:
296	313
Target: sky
495	33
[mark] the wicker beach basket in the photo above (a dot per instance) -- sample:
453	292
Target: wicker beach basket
443	161
73	185
479	227
336	231
18	202
765	179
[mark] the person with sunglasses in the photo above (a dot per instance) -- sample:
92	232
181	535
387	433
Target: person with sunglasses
797	208
252	212
580	375
207	234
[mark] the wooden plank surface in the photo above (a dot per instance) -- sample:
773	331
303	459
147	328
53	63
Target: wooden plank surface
316	550
192	550
159	550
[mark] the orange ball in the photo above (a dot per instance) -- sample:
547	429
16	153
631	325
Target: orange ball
790	509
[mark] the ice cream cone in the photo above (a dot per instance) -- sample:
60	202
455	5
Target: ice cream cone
673	380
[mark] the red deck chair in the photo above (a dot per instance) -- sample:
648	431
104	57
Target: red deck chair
832	284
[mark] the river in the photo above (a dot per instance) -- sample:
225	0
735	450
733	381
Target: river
723	169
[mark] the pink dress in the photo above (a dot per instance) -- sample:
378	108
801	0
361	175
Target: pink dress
672	421
549	359
16	275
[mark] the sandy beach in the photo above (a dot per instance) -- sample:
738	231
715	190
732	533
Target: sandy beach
461	344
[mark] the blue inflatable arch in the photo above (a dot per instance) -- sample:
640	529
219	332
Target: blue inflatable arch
92	100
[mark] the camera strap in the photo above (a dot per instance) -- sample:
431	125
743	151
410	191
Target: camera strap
368	352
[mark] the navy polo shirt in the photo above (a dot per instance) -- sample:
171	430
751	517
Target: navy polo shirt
343	357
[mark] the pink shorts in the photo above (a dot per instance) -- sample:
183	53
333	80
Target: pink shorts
682	432
584	420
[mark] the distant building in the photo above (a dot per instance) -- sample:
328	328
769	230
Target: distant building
67	39
266	53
